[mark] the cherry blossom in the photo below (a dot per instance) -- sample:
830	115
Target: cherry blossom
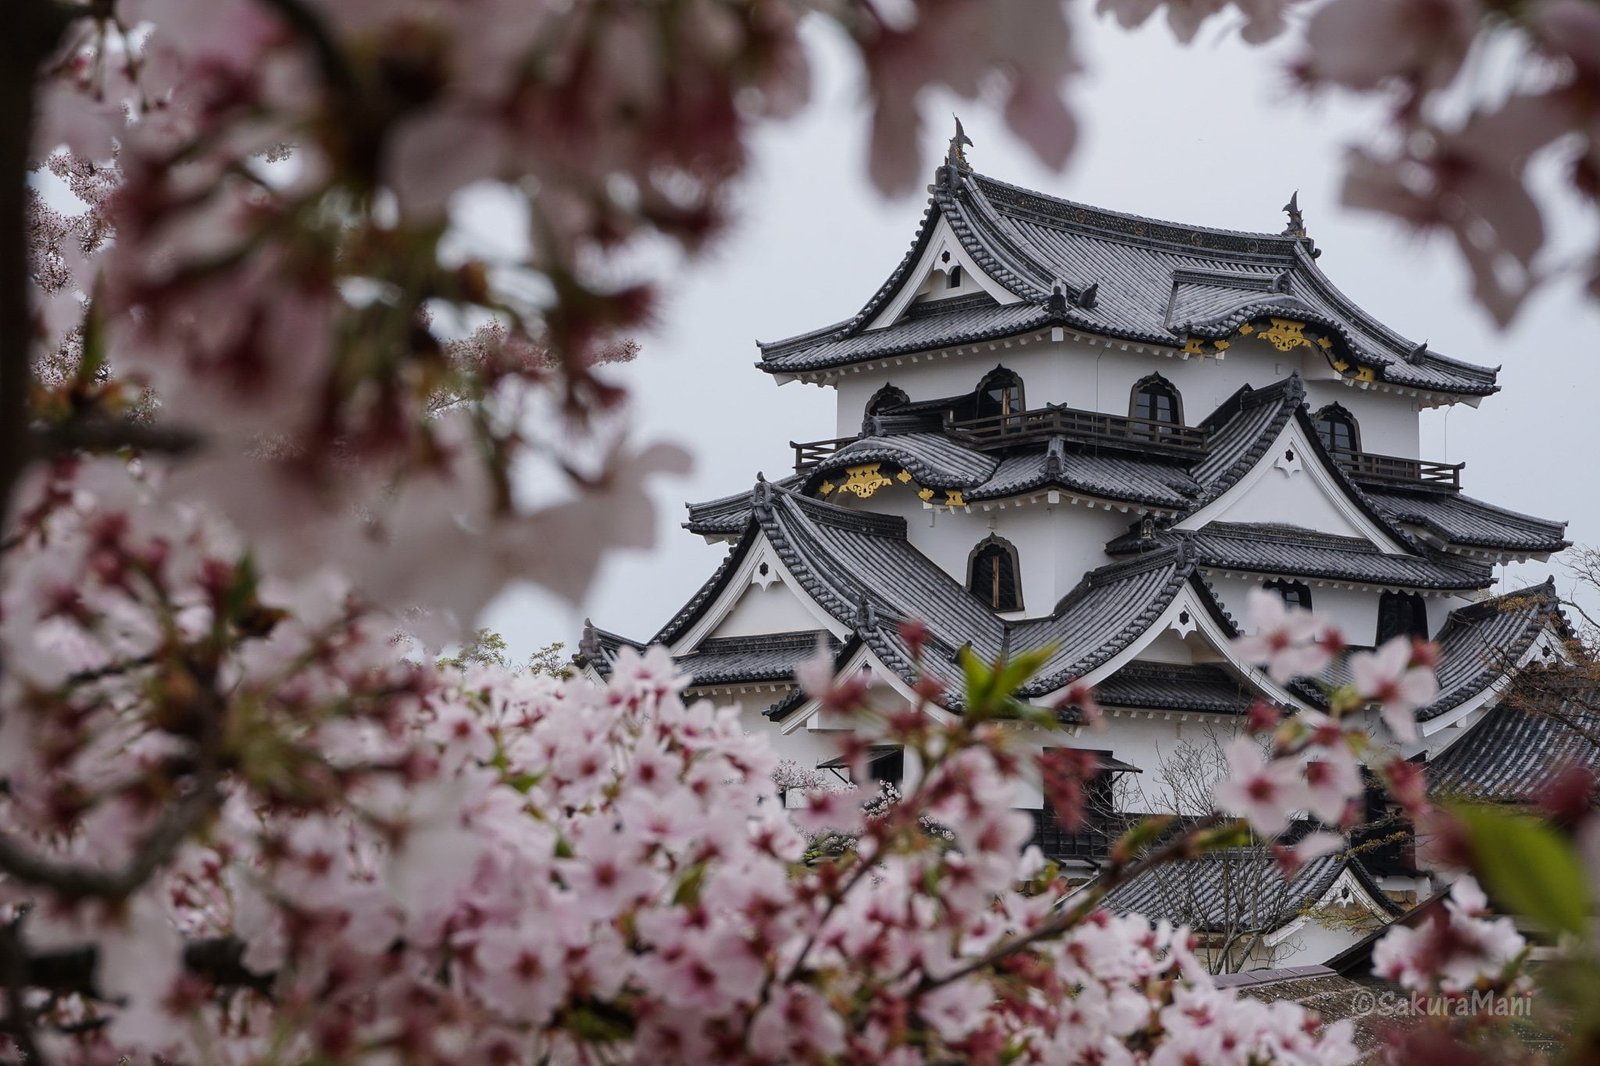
1391	677
1262	790
1288	641
1458	947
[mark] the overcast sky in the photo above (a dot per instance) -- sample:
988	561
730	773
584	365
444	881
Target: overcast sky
1209	135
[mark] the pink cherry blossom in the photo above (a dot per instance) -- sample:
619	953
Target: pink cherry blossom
1389	677
1287	640
1265	792
1459	945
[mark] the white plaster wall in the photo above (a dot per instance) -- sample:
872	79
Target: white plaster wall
774	609
1315	943
1354	611
1100	375
1142	741
1056	543
1390	423
805	747
1286	493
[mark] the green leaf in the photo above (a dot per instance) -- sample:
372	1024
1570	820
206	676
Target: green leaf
980	681
1013	673
1144	833
1231	835
1528	867
990	689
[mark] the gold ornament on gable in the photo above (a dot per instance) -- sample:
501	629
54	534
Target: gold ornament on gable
864	480
1285	334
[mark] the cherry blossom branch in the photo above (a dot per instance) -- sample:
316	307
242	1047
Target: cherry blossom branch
115	669
170	831
331	60
218	961
1179	847
103	434
14	976
33	28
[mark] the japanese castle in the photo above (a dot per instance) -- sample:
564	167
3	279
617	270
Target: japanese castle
1061	425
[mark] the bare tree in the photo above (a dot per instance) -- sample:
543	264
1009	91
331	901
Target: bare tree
1237	900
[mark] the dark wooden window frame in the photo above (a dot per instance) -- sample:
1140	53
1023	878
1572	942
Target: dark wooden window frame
1293	592
1013	399
993	596
1337	413
1155	384
1391	624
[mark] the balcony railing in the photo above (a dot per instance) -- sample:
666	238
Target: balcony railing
808	454
1393	470
1090	841
1186	442
1093	426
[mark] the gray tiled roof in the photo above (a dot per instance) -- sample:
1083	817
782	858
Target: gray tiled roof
727	515
1095	621
1205	688
1478	645
1291	551
738	660
1240	888
932	458
1150	281
599	647
860	568
1242	428
1105	475
1519	746
1466	522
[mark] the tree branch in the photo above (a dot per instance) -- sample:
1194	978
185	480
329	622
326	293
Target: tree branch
1071	916
217	960
14	973
170	831
33	29
105	434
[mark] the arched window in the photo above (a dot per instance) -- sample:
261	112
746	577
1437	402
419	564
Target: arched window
1294	593
1401	614
886	399
1155	400
999	394
952	280
992	574
1338	430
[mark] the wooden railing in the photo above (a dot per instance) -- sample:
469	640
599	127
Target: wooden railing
1089	841
1182	441
1096	426
808	454
1393	470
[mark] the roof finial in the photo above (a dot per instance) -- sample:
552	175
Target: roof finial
1297	222
956	156
589	647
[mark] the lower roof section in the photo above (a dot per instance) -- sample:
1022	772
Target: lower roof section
1239	889
1205	688
1550	720
770	657
1464	523
861	578
1289	551
1478	646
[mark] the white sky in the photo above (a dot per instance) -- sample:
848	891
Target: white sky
1211	135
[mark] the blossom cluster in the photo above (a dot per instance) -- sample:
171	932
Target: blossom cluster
485	866
1312	763
1460	947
